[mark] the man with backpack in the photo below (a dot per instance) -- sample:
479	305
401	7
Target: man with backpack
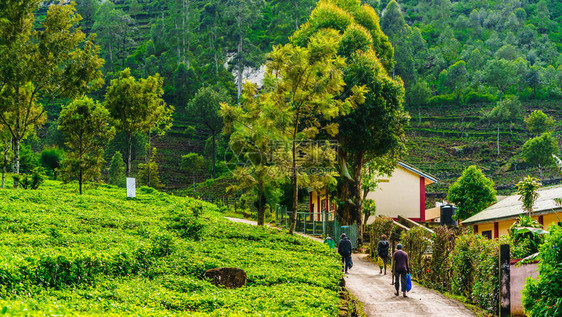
382	251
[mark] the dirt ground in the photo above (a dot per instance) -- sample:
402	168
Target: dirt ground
377	294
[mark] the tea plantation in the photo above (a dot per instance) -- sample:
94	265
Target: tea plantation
104	254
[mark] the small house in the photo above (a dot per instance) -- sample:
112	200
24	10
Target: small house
496	220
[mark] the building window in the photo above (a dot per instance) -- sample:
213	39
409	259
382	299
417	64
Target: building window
487	234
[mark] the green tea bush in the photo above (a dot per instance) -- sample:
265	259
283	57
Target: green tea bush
543	296
104	254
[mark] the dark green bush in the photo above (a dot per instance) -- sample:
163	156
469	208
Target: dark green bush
27	181
443	100
543	296
416	241
441	268
463	258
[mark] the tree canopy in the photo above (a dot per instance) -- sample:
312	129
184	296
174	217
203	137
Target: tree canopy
472	192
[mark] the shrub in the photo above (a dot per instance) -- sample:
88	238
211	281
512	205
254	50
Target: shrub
543	296
416	241
443	245
463	258
486	278
116	173
475	97
443	100
381	225
50	159
32	181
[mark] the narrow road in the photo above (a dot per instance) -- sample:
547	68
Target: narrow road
377	294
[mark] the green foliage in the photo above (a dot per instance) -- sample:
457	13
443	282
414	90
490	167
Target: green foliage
525	242
543	296
487	278
148	174
416	241
527	189
137	106
381	225
30	181
103	254
472	192
538	122
85	124
441	263
205	106
54	61
116	172
464	263
539	150
51	159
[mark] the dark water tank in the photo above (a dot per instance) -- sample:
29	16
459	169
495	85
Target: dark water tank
447	213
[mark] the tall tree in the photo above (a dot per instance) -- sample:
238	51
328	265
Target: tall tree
5	145
500	74
243	13
472	192
205	105
55	61
374	128
300	92
115	30
136	106
85	124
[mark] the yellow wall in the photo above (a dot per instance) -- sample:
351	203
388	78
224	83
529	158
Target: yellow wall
485	227
399	196
504	225
550	219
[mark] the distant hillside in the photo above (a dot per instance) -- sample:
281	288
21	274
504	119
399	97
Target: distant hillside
456	58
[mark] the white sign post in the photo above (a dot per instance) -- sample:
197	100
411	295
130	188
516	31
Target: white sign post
131	190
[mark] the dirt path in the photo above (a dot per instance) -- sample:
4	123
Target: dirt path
377	294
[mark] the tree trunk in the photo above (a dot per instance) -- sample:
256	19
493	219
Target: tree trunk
17	143
214	175
5	164
148	160
80	175
498	139
295	189
130	155
239	54
261	206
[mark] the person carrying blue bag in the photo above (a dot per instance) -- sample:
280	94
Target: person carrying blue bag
401	270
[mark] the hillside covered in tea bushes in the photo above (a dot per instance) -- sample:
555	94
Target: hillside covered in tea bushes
104	254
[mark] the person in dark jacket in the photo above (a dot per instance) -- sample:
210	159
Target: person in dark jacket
382	251
400	267
344	249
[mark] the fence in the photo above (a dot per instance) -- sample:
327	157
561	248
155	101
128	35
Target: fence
316	223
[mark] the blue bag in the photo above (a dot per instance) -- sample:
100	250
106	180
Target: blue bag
408	282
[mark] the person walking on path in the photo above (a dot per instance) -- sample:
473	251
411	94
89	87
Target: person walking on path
400	267
344	249
382	251
330	242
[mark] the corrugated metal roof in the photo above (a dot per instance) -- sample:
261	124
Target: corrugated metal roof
511	207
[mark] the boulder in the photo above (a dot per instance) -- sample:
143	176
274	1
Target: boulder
228	277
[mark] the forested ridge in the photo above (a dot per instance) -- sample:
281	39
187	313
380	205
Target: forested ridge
459	61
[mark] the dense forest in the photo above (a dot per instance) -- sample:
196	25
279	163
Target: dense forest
472	71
